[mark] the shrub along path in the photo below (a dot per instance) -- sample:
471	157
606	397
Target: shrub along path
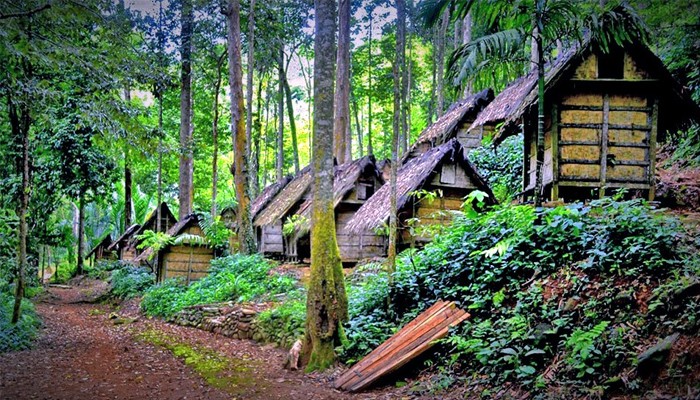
84	352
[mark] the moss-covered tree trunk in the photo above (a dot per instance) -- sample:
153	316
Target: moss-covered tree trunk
326	306
238	131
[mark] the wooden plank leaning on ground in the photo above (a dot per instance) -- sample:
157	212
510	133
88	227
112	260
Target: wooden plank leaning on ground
412	340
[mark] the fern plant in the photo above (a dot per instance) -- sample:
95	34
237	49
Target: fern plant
583	354
216	234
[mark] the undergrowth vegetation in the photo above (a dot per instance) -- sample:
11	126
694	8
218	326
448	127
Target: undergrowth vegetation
21	335
558	297
234	278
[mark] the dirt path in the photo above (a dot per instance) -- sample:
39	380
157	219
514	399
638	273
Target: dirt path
84	354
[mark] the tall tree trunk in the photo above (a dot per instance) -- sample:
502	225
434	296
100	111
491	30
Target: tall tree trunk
215	135
255	169
326	304
20	129
397	68
127	172
358	127
341	122
280	115
466	38
159	197
433	72
540	101
252	162
442	32
292	123
370	150
186	164
246	238
268	97
405	68
81	233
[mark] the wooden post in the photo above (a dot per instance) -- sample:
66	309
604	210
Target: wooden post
652	148
604	145
555	152
526	160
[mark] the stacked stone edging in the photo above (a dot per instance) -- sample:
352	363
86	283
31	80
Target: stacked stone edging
236	321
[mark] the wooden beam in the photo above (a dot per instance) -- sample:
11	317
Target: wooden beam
555	152
652	148
604	146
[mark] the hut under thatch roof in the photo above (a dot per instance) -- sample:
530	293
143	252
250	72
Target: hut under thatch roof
128	243
188	258
354	183
453	124
267	195
100	251
269	220
121	246
604	115
445	169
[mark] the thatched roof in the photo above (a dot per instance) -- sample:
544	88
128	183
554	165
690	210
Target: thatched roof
267	195
173	231
105	242
411	176
124	237
345	179
287	197
682	111
151	221
447	125
506	102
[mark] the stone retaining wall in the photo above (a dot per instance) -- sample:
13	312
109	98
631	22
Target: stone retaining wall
231	320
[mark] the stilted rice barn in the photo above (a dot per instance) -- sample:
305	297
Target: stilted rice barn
100	252
127	244
605	115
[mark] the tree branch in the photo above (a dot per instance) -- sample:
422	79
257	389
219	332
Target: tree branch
26	13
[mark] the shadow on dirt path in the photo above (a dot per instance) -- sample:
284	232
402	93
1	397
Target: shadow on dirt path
84	352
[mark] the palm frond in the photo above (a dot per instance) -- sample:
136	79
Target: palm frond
616	25
191	239
474	56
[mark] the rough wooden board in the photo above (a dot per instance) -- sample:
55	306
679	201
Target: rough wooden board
412	340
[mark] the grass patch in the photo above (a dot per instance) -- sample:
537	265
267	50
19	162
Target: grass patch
226	373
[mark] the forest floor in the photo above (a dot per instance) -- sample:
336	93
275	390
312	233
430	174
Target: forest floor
89	350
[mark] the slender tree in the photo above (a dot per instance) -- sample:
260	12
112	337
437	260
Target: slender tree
326	304
186	152
342	148
215	133
238	130
252	162
280	112
396	133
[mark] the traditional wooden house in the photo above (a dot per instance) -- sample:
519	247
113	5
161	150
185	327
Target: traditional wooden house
188	259
454	123
444	170
122	245
354	182
100	252
605	114
273	209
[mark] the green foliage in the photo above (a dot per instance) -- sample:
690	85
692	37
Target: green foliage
548	289
292	223
215	231
130	281
156	240
501	166
234	278
284	324
21	335
687	147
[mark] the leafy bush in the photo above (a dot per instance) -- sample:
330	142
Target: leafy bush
550	290
130	281
284	324
502	167
238	278
19	336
